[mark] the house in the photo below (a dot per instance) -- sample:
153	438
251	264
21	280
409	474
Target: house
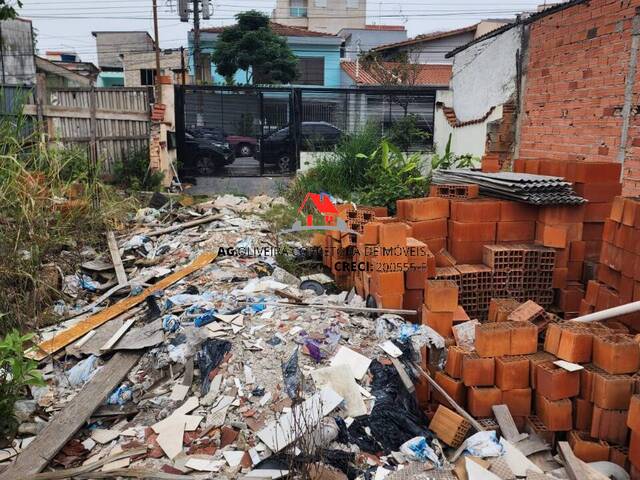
432	47
328	16
355	74
17	61
71	61
563	105
359	40
111	46
318	54
140	67
58	76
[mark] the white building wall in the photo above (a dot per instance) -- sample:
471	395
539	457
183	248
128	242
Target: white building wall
467	139
484	75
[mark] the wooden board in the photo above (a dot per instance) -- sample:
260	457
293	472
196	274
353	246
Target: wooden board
66	337
507	425
67	422
121	275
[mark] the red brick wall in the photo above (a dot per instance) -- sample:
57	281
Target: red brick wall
574	92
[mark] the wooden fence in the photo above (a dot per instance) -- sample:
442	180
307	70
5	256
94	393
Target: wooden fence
118	119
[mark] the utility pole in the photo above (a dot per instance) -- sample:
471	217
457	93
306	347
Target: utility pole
196	41
157	41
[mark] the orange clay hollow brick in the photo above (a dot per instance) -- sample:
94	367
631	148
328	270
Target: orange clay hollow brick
556	383
512	372
481	399
477	371
493	339
617	353
441	295
555	414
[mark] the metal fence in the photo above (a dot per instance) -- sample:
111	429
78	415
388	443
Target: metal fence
266	128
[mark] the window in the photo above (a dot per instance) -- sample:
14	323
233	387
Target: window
353	4
310	71
147	76
320	3
298	8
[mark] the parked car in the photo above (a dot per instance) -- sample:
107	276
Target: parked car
242	146
277	149
204	154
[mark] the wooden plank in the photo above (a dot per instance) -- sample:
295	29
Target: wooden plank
574	467
121	275
182	226
64	338
116	336
76	112
507	425
67	422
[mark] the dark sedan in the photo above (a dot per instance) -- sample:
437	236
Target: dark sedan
205	155
277	149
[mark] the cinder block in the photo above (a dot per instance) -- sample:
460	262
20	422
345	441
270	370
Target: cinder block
524	338
477	210
429	229
616	353
527	312
392	234
609	425
370	233
387	283
388	301
575	345
612	392
455	357
477	371
441	322
466	252
454	387
441	295
512	373
516	231
587	449
582	413
556	383
517	212
554	414
481	399
472	231
634	451
449	427
633	417
493	339
518	401
430	208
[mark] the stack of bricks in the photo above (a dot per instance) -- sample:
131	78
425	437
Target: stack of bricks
440	304
472	224
522	272
598	182
618	274
561	227
517	222
594	408
427	218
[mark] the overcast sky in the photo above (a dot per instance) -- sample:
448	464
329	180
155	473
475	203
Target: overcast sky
67	24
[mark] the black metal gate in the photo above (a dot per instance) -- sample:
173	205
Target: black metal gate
255	131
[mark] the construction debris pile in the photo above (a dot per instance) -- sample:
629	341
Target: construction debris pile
187	352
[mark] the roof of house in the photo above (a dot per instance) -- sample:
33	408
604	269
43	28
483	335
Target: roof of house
280	29
426	74
427	37
521	20
395	28
57	69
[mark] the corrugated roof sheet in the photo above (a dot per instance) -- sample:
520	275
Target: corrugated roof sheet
426	74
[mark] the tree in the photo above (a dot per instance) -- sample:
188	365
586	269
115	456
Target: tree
8	9
252	46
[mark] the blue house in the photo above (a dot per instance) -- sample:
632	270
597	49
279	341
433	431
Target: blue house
318	55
